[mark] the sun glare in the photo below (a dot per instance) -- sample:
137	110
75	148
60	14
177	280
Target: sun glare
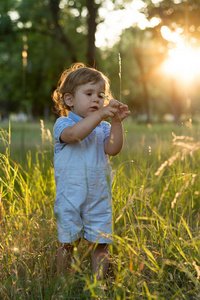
183	61
183	64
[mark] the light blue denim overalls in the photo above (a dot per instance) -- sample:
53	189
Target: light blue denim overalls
83	205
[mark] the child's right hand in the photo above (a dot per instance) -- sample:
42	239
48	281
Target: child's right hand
122	112
116	110
110	109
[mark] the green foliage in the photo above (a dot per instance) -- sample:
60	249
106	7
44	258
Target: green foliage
155	251
56	34
49	35
183	14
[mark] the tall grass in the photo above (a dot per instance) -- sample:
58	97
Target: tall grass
155	253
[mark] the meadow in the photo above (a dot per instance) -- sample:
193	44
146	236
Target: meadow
156	238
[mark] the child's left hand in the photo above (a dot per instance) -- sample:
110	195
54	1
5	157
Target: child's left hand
122	110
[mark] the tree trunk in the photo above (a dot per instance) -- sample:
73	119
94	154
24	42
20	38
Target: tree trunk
55	9
144	84
92	24
176	105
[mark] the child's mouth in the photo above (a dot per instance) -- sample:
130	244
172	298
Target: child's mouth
94	108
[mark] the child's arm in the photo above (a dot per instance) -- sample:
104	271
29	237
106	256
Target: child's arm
115	142
84	127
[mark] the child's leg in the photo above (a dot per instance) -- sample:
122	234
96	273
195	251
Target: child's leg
100	260
64	256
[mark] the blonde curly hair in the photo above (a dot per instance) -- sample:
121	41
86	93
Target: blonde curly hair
76	75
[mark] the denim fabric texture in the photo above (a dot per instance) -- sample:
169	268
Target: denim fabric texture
83	205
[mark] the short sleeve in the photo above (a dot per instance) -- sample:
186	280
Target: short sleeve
60	125
106	130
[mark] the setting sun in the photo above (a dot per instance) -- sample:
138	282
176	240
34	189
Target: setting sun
183	62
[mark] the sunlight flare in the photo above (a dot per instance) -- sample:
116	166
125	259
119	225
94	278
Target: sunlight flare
183	63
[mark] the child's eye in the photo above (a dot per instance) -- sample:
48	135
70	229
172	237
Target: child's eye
88	94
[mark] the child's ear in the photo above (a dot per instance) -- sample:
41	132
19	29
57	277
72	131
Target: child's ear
68	99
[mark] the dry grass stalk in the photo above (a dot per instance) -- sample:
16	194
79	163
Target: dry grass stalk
181	137
1	209
164	192
197	268
46	134
187	147
130	200
189	181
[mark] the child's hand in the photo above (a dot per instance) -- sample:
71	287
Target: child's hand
116	110
110	110
122	111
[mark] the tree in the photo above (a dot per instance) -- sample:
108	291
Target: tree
182	18
92	25
59	30
55	37
37	46
141	57
10	56
176	14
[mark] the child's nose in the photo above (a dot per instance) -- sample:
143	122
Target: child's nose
96	98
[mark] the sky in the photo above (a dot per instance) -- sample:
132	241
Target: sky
108	32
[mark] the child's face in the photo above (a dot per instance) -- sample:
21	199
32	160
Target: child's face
87	99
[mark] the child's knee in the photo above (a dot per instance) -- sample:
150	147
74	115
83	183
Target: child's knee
68	246
99	248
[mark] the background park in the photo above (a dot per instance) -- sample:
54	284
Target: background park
150	50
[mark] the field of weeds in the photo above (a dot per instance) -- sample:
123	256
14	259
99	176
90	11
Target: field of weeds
156	238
